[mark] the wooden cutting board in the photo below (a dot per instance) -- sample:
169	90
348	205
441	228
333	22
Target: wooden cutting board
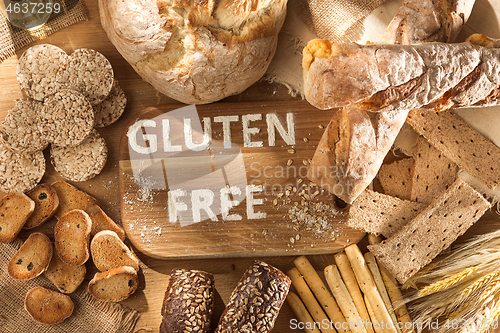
227	180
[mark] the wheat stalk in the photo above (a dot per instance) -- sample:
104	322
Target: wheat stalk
487	324
447	282
480	283
489	291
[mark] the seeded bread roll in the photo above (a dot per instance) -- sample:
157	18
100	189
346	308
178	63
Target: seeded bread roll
108	252
256	301
195	51
72	237
114	285
15	209
32	258
46	203
48	306
188	299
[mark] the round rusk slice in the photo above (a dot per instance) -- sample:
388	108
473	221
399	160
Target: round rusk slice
39	68
20	129
20	172
66	118
82	162
90	73
109	110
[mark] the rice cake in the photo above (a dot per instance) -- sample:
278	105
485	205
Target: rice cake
90	73
396	178
378	213
20	172
433	173
462	144
66	118
82	162
431	231
38	70
109	110
20	129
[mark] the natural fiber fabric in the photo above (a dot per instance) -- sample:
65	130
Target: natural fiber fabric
337	20
13	38
89	315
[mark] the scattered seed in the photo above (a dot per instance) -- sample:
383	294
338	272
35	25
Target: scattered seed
289	162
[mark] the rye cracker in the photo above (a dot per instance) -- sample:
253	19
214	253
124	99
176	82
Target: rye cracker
378	213
431	231
20	129
38	70
433	173
396	178
81	162
109	110
463	145
20	172
90	73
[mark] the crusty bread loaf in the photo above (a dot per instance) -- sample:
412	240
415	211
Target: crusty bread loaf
72	237
101	221
64	276
32	258
108	252
15	209
256	301
71	198
46	203
190	293
114	285
212	50
48	306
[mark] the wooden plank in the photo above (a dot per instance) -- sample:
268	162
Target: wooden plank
172	192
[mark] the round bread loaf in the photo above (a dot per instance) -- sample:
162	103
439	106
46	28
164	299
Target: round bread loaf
195	51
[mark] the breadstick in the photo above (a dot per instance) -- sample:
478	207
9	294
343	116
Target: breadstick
301	313
367	285
394	292
374	324
310	302
351	284
379	282
321	292
344	300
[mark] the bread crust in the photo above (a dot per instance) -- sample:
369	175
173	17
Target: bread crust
195	52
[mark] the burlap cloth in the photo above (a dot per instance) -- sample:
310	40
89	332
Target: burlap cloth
89	315
13	38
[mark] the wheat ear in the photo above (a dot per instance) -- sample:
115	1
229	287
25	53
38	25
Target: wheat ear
447	282
488	322
480	283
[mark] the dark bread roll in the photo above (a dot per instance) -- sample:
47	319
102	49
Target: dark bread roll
188	302
256	301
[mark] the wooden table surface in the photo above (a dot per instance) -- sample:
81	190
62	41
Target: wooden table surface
154	273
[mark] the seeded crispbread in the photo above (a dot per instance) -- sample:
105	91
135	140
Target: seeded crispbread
396	178
72	237
108	252
433	173
101	221
66	118
463	145
48	306
46	203
15	208
65	277
90	73
109	110
378	213
81	162
20	130
431	231
114	285
71	198
32	258
20	172
38	70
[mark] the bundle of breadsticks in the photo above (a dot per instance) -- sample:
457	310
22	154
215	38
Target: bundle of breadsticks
363	297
